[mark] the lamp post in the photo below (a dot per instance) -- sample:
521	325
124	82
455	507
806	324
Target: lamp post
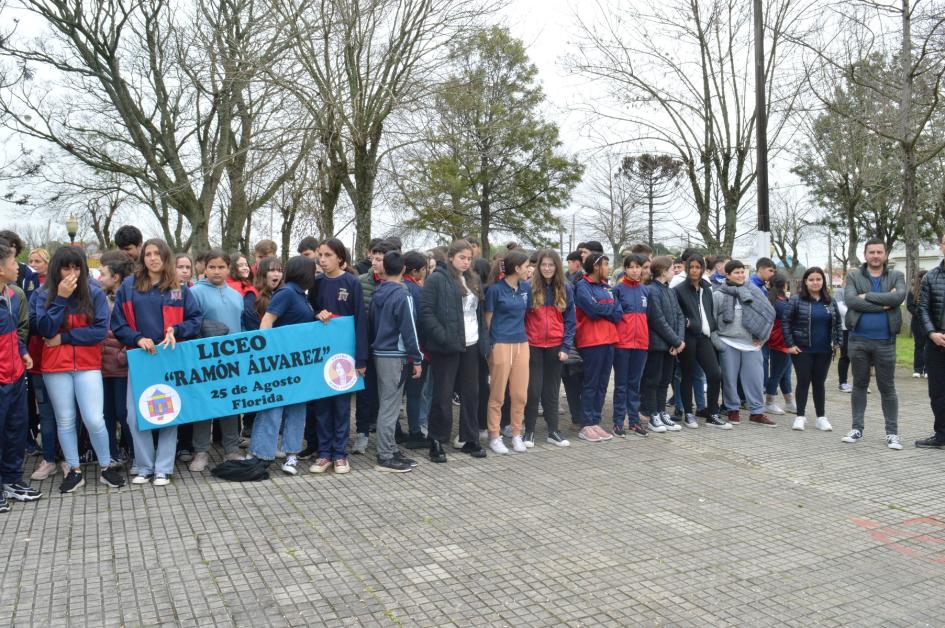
72	227
761	131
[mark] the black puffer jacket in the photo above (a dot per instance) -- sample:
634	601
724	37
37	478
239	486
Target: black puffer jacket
442	329
931	307
664	318
795	323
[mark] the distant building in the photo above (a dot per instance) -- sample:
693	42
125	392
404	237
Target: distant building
929	256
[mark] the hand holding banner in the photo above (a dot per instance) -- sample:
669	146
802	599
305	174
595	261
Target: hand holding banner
246	372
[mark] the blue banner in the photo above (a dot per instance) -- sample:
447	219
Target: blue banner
246	372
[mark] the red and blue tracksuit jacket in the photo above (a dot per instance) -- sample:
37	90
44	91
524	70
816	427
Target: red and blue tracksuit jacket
81	346
13	329
138	315
598	313
547	326
632	330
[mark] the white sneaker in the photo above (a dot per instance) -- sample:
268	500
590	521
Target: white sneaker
141	479
893	442
518	445
529	439
799	424
291	465
667	422
498	446
823	424
161	480
773	408
457	444
846	388
916	375
655	425
925	375
852	437
360	444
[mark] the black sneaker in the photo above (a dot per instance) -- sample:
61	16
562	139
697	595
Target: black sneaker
185	455
473	449
455	399
307	453
4	504
400	457
935	441
73	481
112	476
620	431
637	428
556	439
392	466
717	421
21	492
416	441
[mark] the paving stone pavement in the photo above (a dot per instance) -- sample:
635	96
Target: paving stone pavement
748	527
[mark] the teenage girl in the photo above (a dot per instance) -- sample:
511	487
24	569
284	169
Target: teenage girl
667	327
72	317
597	313
336	293
151	308
241	280
288	306
184	265
633	340
551	324
507	299
268	279
451	323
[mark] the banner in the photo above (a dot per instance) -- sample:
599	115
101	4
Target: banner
246	372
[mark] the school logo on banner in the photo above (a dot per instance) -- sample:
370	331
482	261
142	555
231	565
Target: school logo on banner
159	404
340	373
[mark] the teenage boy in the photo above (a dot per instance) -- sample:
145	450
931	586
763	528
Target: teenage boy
128	238
220	303
745	318
575	270
717	264
395	351
365	409
873	295
415	270
309	248
14	327
262	250
931	315
115	266
26	279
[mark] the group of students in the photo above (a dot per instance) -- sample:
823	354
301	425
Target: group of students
443	328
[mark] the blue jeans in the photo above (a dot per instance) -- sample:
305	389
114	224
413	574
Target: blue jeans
628	371
266	430
84	387
426	395
779	364
116	413
148	459
47	418
413	388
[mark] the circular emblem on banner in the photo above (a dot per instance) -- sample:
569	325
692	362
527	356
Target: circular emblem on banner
159	404
340	373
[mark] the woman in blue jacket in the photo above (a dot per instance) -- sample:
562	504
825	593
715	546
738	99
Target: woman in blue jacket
811	326
152	308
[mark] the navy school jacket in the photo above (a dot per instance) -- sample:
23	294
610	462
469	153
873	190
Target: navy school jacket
138	315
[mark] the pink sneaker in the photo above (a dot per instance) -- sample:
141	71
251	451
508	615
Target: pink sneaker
589	434
604	434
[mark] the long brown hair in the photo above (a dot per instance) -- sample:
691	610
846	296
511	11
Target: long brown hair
262	284
470	277
70	257
168	272
557	282
506	263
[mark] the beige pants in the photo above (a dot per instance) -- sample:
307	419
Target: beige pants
508	365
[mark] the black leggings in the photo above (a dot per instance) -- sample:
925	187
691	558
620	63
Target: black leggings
811	370
544	384
699	349
657	375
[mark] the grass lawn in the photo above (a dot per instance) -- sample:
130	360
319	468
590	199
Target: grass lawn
904	347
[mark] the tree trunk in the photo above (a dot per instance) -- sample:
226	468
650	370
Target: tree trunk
907	143
363	197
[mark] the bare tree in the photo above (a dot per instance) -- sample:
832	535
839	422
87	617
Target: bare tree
790	225
679	72
364	59
904	44
614	205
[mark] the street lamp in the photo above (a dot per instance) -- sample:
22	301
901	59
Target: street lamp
72	227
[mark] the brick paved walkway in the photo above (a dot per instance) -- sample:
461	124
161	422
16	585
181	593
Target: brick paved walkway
750	527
